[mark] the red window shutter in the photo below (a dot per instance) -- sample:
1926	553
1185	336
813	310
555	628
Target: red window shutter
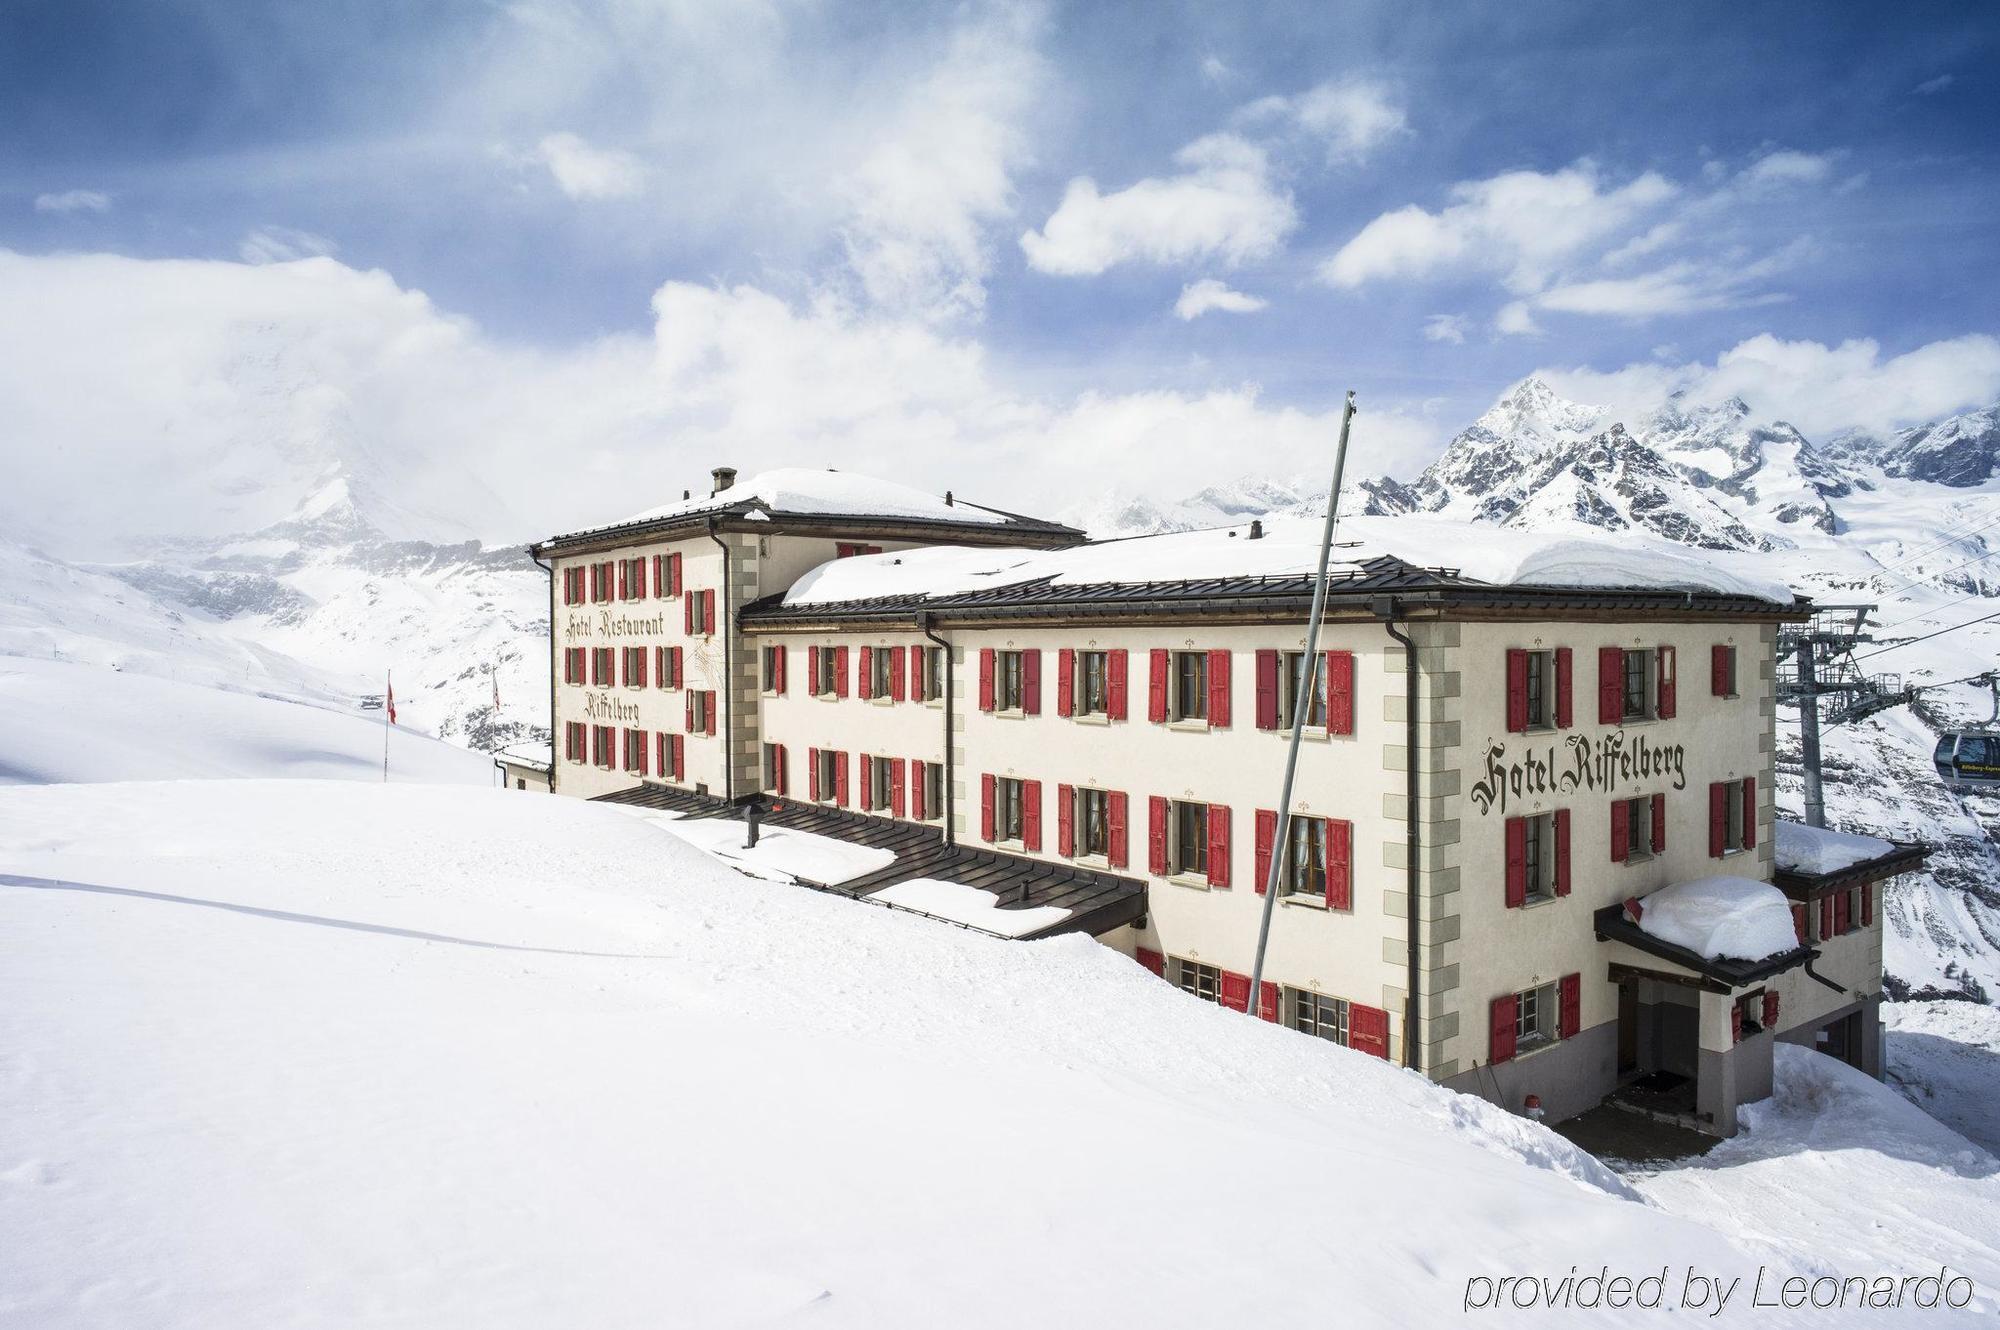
917	674
986	808
1267	690
708	610
1339	864
1565	714
1114	690
784	763
1114	828
917	809
895	785
1153	961
1156	836
1718	670
1267	1001
1266	837
1736	1022
1517	862
1562	851
639	659
1610	685
1517	691
687	616
1569	1006
1668	680
712	709
680	757
680	678
680	569
1156	702
867	782
896	681
1065	681
689	725
1826	918
1659	823
1867	904
1621	832
1843	921
865	686
1770	1008
1340	692
840	792
1218	845
643	769
1235	993
624	592
812	773
1500	1042
659	576
1065	821
1799	922
1031	682
663	753
812	671
840	671
1368	1030
1749	812
779	658
986	678
1218	689
1718	819
1031	815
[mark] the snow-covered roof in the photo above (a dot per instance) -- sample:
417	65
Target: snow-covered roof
530	754
1721	918
971	906
1289	547
1816	850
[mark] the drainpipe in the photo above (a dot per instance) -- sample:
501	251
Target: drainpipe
728	679
1385	609
550	570
950	835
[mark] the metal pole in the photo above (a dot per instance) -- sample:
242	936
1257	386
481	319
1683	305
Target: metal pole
1809	730
1308	684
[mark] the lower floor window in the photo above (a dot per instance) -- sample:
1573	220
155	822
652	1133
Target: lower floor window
1317	1014
1093	822
933	790
1190	838
635	751
576	741
1534	1017
603	746
774	768
881	783
1008	802
1204	981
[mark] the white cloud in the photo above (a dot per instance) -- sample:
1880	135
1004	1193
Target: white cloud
1450	328
1223	207
1786	167
1515	319
1198	298
587	173
1817	387
1215	71
282	244
1523	225
73	200
935	180
1938	84
1350	116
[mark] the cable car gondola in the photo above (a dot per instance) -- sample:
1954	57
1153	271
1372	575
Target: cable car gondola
1970	759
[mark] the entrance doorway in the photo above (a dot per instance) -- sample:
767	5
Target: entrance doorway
1841	1039
1628	1027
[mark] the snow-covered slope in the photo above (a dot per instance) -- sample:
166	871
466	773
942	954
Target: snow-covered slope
319	1054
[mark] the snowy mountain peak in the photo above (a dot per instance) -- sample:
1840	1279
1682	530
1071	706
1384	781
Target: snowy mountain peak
1531	410
1960	451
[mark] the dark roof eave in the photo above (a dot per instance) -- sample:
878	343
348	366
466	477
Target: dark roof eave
1612	926
1907	857
737	517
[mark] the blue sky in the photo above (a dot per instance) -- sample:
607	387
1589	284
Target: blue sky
694	208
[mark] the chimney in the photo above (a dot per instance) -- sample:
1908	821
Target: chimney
1256	528
947	498
724	477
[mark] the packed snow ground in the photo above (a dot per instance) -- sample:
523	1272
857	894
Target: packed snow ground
326	1053
1945	1056
63	722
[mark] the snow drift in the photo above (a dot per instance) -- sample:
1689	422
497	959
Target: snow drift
1721	917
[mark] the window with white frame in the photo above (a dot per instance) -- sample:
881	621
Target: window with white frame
1188	838
1541	690
1534	1017
1317	1014
1638	814
1307	853
826	671
1189	695
1093	683
1093	823
1288	692
1638	684
880	672
1009	803
1752	1007
1204	981
1007	681
931	676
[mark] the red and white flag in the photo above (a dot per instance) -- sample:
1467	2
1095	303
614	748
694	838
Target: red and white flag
392	698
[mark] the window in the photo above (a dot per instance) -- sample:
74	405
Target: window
1007	693
933	791
1204	981
774	669
603	667
1534	1017
1541	690
1288	693
826	671
601	585
1749	1014
1722	670
573	592
1093	683
576	741
573	665
1190	692
632	579
1009	805
828	768
699	613
700	710
603	746
1093	823
667	666
930	677
881	792
881	673
1732	806
1638	685
1317	1014
635	750
635	667
1538	873
672	751
1189	840
774	768
1306	857
1640	835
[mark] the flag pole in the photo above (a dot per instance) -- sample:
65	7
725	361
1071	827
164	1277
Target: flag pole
1301	708
388	719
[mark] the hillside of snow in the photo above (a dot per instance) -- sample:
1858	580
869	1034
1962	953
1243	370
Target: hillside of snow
322	1054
